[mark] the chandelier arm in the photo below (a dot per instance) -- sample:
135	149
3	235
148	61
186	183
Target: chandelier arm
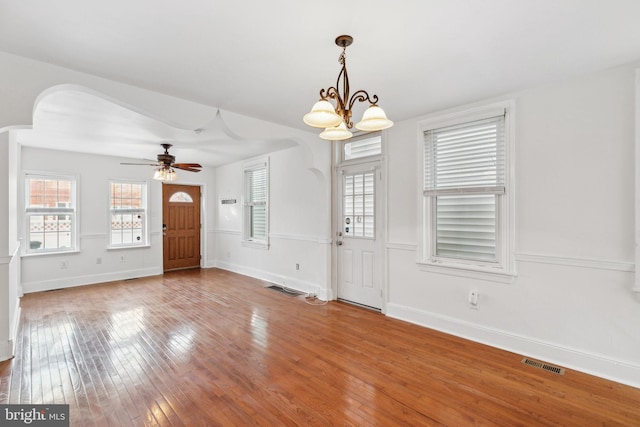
341	108
322	95
362	96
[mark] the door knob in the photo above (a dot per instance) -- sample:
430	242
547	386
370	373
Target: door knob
339	242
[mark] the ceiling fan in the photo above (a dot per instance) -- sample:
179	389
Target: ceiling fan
166	166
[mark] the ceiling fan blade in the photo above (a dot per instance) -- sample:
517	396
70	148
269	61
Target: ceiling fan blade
142	164
189	165
185	168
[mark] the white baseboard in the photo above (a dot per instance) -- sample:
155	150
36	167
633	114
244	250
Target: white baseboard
624	372
278	279
69	282
15	325
6	350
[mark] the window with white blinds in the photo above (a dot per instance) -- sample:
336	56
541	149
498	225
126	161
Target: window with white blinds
464	178
469	156
357	148
465	226
256	202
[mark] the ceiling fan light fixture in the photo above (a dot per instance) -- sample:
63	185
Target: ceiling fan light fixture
160	174
336	133
165	174
171	175
374	119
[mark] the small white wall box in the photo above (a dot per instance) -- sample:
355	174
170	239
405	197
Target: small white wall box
474	299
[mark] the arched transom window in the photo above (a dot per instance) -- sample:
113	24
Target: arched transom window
180	197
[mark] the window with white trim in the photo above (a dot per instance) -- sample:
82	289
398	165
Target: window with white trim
128	214
256	203
50	213
466	198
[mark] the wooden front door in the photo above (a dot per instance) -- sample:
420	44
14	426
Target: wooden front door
181	226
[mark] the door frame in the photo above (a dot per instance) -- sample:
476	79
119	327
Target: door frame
203	220
381	222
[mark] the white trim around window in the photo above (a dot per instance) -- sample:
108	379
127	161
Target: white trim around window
437	251
255	223
50	216
128	214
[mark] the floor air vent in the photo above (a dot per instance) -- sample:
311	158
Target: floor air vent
285	291
544	366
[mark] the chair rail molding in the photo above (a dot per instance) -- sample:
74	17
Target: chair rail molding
575	261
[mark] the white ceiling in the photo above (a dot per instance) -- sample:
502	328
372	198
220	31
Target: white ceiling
77	119
269	59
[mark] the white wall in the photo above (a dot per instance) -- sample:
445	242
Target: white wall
572	301
299	224
43	272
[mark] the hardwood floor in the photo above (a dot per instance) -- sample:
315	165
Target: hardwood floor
209	347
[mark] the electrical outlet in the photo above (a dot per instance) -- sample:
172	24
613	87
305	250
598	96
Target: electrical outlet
63	265
121	258
474	299
98	260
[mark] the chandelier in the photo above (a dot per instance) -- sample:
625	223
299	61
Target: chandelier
336	120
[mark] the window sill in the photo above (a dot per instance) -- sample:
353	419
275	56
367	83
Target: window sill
118	248
256	244
478	272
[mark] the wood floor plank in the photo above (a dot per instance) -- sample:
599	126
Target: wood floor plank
213	348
